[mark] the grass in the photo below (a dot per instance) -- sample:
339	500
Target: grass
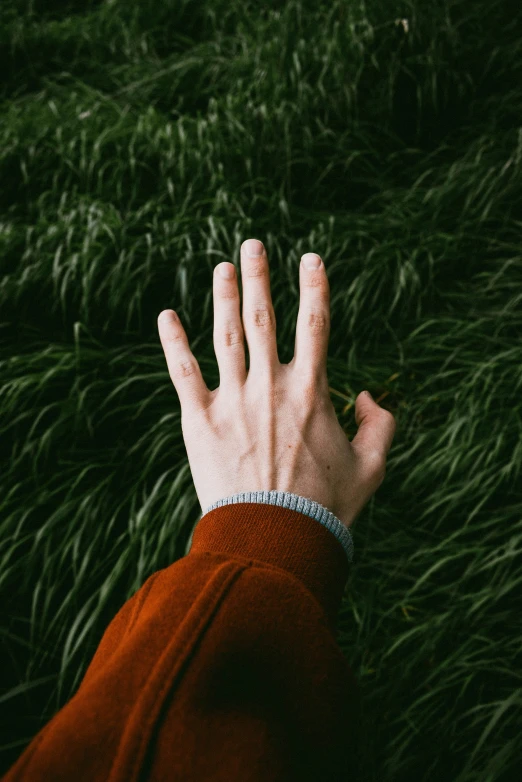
140	144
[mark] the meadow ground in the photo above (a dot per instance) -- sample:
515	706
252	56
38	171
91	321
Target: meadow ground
140	144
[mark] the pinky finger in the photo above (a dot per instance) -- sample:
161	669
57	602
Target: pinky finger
184	369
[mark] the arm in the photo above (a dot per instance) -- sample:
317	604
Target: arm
224	665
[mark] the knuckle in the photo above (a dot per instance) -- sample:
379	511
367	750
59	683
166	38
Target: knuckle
184	368
390	418
174	337
317	281
231	336
311	391
317	322
263	318
376	463
253	269
228	292
309	395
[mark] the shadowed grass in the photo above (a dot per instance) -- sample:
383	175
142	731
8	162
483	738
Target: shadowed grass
140	144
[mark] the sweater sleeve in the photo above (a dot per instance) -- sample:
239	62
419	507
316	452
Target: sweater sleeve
222	666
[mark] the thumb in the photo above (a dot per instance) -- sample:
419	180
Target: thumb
376	428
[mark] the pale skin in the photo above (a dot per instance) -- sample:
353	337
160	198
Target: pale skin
273	427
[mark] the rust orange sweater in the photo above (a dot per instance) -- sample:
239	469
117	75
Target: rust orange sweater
223	666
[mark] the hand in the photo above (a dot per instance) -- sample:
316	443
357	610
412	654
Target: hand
274	428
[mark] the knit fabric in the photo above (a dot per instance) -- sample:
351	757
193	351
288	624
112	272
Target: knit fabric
285	499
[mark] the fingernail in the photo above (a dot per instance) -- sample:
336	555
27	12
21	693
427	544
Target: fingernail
226	270
168	316
368	394
253	247
311	261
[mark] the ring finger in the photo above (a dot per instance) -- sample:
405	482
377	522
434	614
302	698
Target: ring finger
259	322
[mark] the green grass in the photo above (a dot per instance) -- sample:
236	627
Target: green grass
140	144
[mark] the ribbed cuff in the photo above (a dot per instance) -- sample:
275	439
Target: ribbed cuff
304	505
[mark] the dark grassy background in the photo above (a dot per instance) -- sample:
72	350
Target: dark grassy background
140	144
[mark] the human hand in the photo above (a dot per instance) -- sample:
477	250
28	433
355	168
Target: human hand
274	428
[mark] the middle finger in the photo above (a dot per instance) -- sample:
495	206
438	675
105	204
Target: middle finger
259	322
